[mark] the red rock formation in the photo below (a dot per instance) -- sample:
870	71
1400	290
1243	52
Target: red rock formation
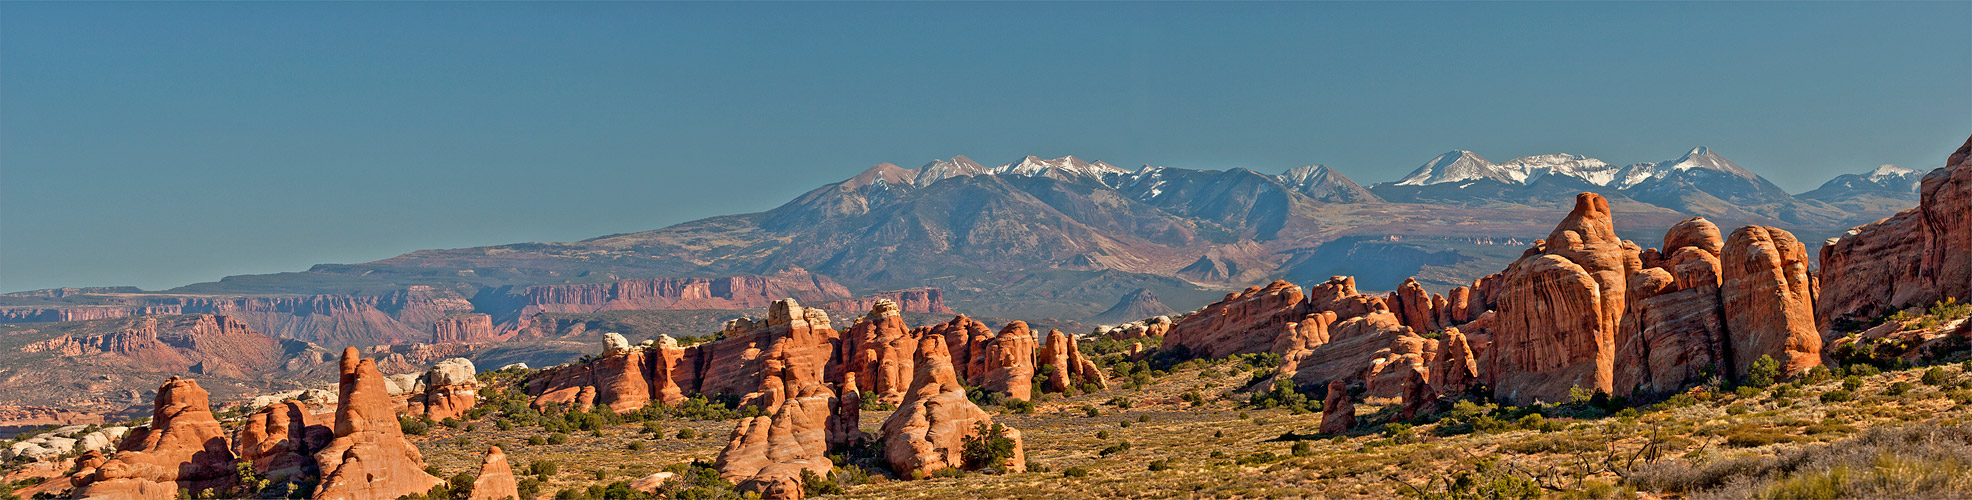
927	432
1413	306
1458	306
1418	396
620	382
1054	359
737	292
1913	258
452	389
965	336
1339	294
1245	322
767	454
1338	414
1457	367
1007	362
1674	325
921	300
464	328
671	369
496	478
183	448
281	440
1768	300
1560	307
735	365
846	417
878	348
369	457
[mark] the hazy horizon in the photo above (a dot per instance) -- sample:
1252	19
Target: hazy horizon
163	144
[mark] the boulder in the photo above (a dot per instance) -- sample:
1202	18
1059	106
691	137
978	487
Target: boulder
184	448
368	459
653	482
496	478
1338	414
927	432
450	389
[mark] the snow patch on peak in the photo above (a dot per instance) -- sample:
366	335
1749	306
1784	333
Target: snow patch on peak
1033	166
1888	171
1455	166
938	170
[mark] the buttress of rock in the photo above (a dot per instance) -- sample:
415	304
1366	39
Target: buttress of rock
1769	300
767	454
928	431
1560	308
368	459
1338	414
1006	362
878	350
184	448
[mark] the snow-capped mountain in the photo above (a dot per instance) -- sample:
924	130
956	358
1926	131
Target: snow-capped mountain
1063	168
1886	178
1325	184
1885	189
1699	181
1459	166
938	170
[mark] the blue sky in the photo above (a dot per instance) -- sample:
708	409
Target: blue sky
160	144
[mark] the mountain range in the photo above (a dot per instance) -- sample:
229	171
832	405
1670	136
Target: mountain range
1061	238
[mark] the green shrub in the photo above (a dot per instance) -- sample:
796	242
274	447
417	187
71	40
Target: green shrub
1301	449
1194	398
1114	449
1898	389
1764	372
536	440
413	426
1019	406
557	438
544	468
687	433
1836	396
1160	465
1075	472
1851	383
1091	411
988	447
1936	377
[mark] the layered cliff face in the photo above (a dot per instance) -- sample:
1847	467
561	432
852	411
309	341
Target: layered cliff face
921	299
464	328
1913	258
330	319
736	292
